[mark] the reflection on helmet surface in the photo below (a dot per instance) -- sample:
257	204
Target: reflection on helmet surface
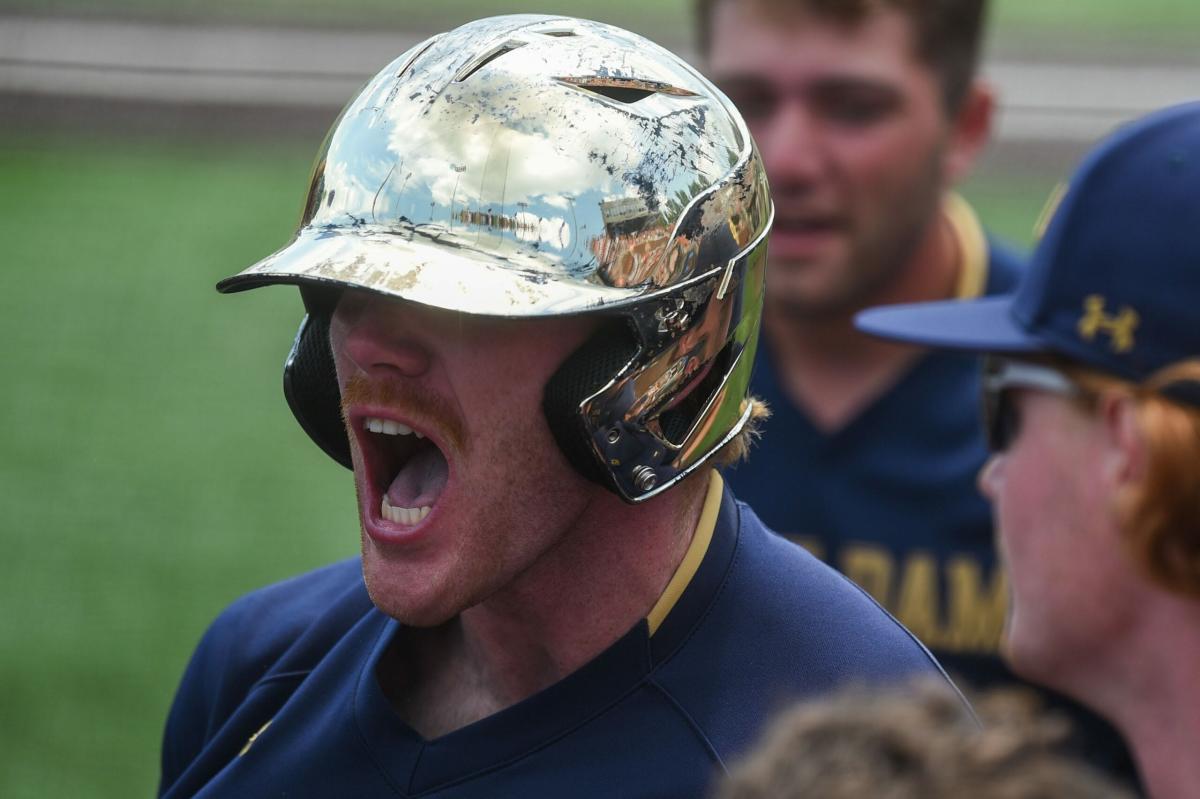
531	166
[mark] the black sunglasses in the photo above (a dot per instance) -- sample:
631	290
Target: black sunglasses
1001	416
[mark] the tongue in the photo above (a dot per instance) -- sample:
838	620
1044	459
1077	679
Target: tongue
420	481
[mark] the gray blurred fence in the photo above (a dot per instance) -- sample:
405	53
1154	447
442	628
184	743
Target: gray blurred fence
93	61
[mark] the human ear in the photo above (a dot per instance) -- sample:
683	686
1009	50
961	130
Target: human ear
971	126
1124	458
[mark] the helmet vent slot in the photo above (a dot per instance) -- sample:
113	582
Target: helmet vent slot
626	90
482	61
621	95
400	73
561	33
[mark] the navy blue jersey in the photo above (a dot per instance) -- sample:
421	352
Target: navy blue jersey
890	500
281	697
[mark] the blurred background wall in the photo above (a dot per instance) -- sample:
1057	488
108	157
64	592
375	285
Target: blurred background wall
150	470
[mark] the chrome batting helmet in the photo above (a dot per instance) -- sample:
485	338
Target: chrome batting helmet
532	166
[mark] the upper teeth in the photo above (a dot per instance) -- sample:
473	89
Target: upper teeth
390	427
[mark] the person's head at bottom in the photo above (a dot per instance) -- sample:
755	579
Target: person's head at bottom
533	288
914	742
1092	404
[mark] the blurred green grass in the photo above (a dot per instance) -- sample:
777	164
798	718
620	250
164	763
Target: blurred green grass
1010	201
151	470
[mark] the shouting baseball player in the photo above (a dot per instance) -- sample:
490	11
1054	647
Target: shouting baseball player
532	261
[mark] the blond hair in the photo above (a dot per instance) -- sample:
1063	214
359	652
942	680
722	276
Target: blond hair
914	742
738	448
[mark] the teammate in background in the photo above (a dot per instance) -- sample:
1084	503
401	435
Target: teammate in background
533	262
867	112
916	743
1093	404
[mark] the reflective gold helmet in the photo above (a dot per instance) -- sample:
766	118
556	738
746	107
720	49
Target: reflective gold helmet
532	166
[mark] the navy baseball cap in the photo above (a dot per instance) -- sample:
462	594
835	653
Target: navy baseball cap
1114	283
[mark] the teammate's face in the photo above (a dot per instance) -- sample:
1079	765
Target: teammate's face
498	491
856	141
1058	538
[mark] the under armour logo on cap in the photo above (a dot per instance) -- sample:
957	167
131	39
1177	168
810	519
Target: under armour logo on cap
1120	327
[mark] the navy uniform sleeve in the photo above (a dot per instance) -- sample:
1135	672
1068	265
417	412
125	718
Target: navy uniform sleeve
193	715
286	626
227	662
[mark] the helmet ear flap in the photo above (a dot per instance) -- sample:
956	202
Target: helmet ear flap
311	387
583	373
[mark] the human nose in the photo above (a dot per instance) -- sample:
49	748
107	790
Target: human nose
790	143
990	475
380	337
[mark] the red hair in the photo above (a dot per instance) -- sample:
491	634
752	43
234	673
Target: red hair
1161	514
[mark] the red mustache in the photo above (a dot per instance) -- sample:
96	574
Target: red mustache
416	400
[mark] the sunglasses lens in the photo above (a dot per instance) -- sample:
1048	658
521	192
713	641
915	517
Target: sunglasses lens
999	411
1001	419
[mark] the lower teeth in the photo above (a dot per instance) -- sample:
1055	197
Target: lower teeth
409	516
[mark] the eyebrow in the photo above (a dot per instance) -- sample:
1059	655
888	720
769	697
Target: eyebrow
836	83
820	84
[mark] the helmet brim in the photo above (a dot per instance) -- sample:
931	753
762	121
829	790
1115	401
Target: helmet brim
437	271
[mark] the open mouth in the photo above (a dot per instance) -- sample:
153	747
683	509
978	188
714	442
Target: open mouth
406	470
